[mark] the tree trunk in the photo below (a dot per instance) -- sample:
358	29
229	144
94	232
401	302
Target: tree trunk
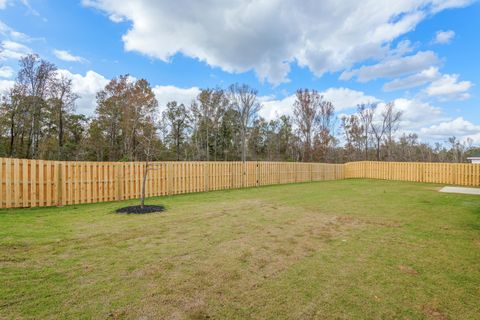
378	149
12	135
60	134
366	149
243	145
207	149
144	182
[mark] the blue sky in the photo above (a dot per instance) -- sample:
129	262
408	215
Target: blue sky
423	55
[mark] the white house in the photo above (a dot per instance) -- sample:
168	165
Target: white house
475	158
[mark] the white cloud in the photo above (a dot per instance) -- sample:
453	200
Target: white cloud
272	108
444	37
30	9
86	87
6	72
431	124
412	81
67	56
449	88
267	36
12	34
459	127
3	4
417	114
342	98
13	50
6	85
438	5
165	94
393	67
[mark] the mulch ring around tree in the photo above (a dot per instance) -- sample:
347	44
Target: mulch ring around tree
140	210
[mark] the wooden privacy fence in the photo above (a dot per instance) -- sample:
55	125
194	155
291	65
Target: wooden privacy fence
38	183
446	173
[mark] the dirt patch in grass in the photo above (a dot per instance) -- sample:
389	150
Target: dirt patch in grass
408	270
433	313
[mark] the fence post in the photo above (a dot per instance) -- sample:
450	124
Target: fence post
244	173
258	174
59	183
119	180
296	171
231	175
207	175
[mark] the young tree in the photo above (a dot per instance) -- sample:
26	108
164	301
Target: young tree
148	142
243	99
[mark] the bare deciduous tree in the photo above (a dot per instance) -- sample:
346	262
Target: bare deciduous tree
392	122
243	99
324	135
385	124
366	113
305	109
147	144
314	118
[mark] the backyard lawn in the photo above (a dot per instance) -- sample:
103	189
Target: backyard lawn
345	249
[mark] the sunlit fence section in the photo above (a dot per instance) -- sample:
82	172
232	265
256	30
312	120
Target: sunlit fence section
445	173
39	183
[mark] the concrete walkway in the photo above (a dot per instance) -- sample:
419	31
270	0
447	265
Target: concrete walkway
461	190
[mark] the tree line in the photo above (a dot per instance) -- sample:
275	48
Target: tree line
38	121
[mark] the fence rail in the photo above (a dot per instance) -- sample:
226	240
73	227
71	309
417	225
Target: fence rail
38	183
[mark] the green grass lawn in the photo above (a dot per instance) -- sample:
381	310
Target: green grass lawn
344	249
